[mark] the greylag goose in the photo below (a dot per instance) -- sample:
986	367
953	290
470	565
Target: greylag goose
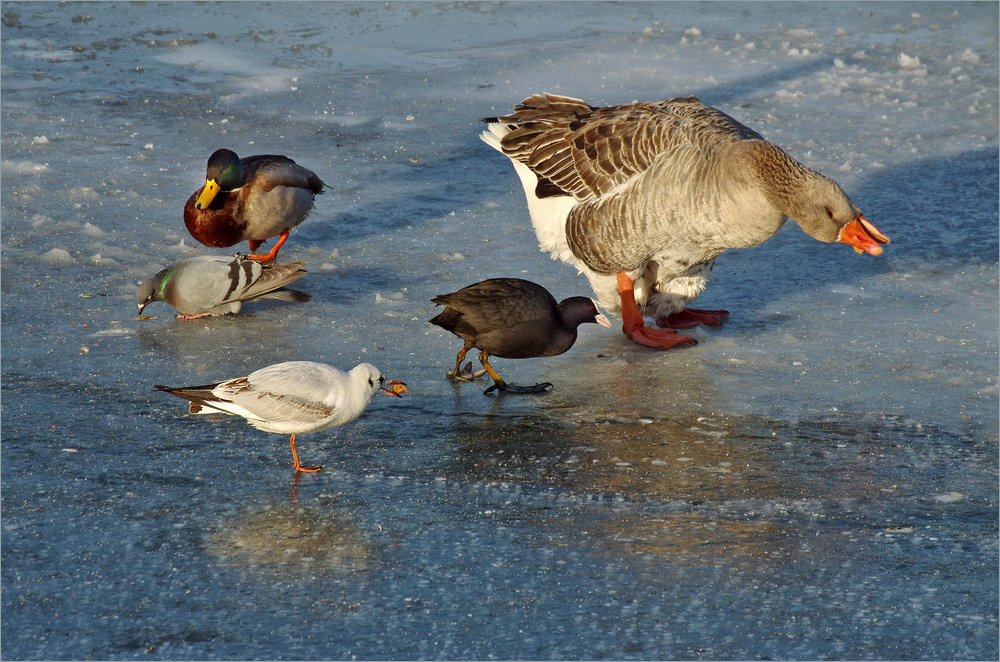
512	318
250	199
214	285
643	197
292	398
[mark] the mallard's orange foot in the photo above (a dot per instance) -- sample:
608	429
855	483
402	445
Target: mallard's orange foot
193	317
657	338
269	257
691	317
307	470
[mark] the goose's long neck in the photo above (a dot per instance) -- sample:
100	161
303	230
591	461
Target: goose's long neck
781	178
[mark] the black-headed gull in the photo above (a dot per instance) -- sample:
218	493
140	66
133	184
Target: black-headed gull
295	397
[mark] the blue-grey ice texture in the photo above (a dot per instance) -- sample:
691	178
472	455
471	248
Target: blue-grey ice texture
816	479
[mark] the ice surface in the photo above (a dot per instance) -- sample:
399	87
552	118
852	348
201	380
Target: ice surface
815	479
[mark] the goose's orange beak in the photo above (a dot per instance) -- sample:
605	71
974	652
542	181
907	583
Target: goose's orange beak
861	235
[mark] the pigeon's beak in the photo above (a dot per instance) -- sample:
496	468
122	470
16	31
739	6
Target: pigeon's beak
396	388
862	235
603	321
207	194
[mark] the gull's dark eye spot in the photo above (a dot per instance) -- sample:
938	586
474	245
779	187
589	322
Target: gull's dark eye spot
370	382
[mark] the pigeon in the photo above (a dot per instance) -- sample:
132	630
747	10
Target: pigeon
213	285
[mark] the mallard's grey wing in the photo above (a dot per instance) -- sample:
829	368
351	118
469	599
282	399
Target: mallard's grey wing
265	171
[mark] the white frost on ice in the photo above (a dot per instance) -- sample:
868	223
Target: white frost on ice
21	167
91	230
907	62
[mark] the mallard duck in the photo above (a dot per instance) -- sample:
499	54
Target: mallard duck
512	318
210	285
250	199
643	197
295	397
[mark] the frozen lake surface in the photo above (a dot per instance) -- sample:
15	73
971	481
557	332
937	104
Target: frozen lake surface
817	478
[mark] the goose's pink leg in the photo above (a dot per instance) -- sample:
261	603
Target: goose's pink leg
635	329
690	317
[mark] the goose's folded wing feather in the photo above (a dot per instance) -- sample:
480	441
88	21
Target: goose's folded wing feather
587	152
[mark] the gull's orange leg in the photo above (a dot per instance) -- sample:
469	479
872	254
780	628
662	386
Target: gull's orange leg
282	238
295	457
635	329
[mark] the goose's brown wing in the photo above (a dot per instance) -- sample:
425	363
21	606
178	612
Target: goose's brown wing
586	152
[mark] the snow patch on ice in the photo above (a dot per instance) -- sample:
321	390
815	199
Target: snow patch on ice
57	257
21	167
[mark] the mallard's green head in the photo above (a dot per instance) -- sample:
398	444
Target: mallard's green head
222	174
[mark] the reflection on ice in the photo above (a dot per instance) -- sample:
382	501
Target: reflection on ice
313	539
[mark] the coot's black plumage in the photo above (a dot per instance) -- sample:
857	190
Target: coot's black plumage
513	318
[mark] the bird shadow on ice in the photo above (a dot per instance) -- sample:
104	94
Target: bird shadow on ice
682	488
425	191
940	214
741	89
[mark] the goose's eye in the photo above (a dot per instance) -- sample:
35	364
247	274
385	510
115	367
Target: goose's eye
829	213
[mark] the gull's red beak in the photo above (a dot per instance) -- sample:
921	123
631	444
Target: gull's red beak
861	235
396	388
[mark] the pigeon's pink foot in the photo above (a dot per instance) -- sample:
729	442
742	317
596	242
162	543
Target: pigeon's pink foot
691	317
635	329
